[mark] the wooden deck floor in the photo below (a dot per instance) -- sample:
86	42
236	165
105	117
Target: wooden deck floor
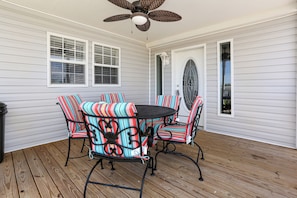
232	168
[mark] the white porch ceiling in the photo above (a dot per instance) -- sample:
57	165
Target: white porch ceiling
197	15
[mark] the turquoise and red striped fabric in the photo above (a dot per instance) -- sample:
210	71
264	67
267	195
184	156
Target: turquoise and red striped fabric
168	101
181	133
113	97
70	106
128	142
165	101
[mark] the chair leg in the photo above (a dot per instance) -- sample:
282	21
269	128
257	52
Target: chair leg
115	185
82	148
88	178
196	163
68	154
166	150
151	165
199	151
156	155
143	177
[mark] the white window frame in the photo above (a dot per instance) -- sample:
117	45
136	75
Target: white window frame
49	60
106	65
219	77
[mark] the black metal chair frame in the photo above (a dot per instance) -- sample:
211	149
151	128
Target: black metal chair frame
113	156
169	147
70	138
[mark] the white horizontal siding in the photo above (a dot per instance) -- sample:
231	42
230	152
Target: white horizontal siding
264	84
33	117
264	81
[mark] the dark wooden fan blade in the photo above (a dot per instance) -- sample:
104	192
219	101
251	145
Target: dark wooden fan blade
146	3
123	4
117	17
154	4
144	27
164	16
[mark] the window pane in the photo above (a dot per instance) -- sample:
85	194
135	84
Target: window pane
106	79
68	78
114	71
80	56
98	80
67	72
68	68
98	70
114	80
115	52
115	61
98	59
80	46
68	55
107	51
56	42
69	44
56	78
56	67
79	79
79	69
107	60
98	49
56	53
107	57
225	78
106	71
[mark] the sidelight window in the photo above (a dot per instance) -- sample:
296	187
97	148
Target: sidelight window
225	78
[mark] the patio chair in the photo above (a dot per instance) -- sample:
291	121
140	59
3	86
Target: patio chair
182	133
165	101
74	121
114	135
113	97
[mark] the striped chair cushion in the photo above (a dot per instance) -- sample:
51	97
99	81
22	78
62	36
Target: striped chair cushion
70	106
181	133
128	142
168	101
113	97
193	113
165	101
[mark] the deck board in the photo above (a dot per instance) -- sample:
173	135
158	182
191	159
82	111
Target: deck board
233	167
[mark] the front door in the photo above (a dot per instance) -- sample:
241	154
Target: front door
188	77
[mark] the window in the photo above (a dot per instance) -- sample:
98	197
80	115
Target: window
225	78
106	63
159	75
67	61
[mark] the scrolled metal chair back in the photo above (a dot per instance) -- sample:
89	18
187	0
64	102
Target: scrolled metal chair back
113	129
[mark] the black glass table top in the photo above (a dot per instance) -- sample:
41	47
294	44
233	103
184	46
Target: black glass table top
153	111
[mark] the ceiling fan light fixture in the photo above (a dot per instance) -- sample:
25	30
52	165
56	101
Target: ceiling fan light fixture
139	18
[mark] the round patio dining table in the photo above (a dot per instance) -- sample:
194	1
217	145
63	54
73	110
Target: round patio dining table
153	111
146	112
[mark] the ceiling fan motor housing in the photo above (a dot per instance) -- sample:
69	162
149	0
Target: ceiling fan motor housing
138	7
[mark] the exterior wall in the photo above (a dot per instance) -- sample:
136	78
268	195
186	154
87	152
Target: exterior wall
264	80
33	117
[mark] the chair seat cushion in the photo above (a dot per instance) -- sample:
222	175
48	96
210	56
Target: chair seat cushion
80	134
175	133
156	123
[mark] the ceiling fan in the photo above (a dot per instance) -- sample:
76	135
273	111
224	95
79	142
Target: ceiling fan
142	11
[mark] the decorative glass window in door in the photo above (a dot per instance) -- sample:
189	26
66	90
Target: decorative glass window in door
190	83
225	78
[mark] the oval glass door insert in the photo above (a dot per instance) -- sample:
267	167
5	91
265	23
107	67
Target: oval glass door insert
190	83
